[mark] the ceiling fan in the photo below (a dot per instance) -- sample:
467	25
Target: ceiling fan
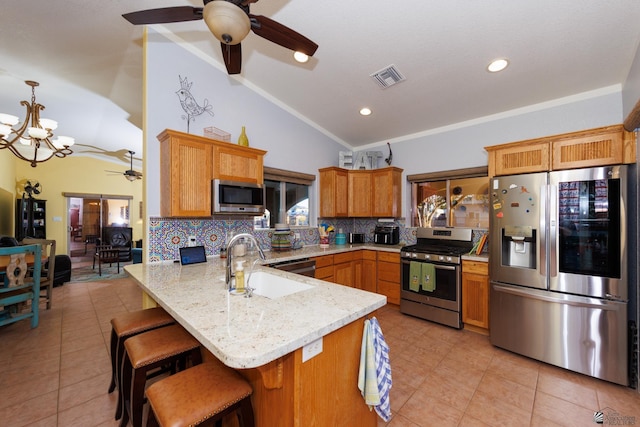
130	174
230	22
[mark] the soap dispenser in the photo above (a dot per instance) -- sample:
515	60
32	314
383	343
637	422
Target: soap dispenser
239	288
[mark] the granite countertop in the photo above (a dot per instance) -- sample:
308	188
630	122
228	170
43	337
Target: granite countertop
481	257
251	332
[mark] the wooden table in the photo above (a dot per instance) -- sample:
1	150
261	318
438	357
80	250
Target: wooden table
6	259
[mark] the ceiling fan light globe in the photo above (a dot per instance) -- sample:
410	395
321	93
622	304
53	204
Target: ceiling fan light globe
226	21
131	177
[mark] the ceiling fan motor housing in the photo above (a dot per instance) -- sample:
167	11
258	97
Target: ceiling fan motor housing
228	23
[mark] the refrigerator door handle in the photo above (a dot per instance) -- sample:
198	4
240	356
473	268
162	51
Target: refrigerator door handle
565	299
542	258
553	230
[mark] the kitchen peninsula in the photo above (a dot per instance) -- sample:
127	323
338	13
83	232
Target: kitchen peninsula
267	340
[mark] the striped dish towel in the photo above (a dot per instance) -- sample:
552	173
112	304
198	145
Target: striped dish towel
374	377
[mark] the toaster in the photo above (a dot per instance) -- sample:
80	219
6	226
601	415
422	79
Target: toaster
356	238
386	235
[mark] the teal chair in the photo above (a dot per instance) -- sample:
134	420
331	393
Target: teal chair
19	287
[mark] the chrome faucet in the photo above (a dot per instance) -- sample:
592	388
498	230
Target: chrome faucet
232	242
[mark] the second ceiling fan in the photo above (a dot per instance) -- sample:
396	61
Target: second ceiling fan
230	22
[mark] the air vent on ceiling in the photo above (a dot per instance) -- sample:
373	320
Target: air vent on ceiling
388	76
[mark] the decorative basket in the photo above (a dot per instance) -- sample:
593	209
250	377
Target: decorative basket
215	133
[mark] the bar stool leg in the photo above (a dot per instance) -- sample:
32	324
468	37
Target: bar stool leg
114	363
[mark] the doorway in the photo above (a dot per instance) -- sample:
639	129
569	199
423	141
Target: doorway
88	215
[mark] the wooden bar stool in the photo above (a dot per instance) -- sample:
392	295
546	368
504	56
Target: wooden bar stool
171	345
130	324
201	395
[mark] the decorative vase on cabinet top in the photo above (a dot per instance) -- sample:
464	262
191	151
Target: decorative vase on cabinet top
242	139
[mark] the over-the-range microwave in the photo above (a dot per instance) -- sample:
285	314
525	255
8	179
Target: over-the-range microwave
233	197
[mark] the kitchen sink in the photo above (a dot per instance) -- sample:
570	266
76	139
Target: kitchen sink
271	286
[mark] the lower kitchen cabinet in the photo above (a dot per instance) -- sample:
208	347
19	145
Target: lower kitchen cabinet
388	272
343	269
475	295
373	271
324	268
369	281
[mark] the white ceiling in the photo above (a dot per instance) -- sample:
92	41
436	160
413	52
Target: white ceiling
87	59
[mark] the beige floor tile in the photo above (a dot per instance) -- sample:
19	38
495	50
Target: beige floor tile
469	421
94	412
515	368
399	421
427	411
484	406
446	389
400	393
84	391
568	386
466	376
511	392
561	411
27	389
25	372
76	343
26	412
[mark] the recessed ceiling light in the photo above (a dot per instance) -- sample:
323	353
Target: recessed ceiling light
365	111
497	65
300	57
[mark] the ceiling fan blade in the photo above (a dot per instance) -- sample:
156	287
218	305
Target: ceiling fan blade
232	55
282	35
164	15
116	172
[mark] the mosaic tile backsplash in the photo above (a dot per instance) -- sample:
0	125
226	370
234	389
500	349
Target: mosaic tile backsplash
167	235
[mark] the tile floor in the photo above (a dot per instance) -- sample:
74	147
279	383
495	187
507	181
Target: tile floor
58	373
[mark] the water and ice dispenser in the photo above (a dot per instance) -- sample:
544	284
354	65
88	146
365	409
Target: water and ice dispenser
519	246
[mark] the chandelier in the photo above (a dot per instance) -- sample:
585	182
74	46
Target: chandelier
31	141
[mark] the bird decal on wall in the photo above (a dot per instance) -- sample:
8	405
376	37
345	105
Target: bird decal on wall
189	103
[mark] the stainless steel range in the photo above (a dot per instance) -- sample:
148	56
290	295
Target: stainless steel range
431	275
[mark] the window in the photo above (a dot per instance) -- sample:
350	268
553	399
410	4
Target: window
287	198
456	199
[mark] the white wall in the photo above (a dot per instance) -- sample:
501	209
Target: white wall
631	87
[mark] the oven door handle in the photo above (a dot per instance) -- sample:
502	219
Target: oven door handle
445	267
437	266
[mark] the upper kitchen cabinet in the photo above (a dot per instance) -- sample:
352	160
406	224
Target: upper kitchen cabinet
233	162
594	147
185	175
188	163
360	193
334	200
610	145
386	192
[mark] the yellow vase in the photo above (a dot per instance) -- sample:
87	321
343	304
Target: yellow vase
242	139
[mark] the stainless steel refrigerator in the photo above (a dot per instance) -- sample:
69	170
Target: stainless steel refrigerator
558	268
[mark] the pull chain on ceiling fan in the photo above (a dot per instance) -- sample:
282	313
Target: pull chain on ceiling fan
230	22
